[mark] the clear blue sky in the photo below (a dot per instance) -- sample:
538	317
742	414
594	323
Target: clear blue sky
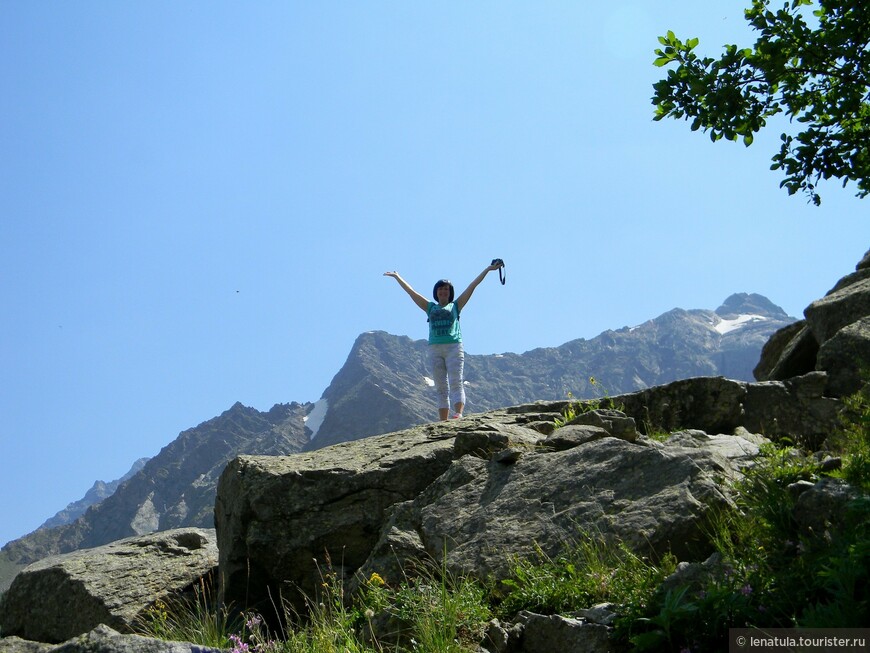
198	200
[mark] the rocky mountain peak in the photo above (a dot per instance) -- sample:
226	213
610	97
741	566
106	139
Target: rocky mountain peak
749	304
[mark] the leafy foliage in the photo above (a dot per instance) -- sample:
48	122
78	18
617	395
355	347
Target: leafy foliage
817	75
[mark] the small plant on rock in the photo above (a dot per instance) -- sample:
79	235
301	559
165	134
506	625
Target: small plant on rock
578	407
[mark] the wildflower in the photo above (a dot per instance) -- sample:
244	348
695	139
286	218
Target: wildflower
254	621
746	590
369	613
238	645
376	580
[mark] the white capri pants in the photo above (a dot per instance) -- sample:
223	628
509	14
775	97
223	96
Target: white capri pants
448	364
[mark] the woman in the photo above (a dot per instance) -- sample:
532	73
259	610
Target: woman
445	338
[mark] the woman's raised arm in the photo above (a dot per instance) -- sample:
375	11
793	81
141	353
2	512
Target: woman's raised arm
419	300
462	300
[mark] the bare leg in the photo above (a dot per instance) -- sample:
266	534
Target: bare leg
443	413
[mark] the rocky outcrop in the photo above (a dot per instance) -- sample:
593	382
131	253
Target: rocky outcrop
503	481
62	597
833	337
276	515
103	639
655	498
796	408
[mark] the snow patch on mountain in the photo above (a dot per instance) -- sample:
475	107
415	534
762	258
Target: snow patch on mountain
727	326
314	419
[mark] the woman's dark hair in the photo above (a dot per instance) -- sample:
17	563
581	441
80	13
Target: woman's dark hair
443	282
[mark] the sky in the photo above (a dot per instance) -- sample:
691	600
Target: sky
198	201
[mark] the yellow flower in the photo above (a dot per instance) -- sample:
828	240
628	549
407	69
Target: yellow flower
376	580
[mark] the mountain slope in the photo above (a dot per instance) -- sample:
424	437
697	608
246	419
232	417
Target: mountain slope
98	492
177	486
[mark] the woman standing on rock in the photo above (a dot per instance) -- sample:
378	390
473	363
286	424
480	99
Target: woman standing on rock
445	338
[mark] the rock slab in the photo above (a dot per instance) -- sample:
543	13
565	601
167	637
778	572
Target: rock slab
65	596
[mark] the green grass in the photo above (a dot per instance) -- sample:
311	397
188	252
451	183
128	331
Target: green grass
586	573
196	618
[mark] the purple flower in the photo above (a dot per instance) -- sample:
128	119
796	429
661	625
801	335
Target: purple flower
746	590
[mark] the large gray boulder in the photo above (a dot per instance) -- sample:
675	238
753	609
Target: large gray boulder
834	337
796	408
850	343
654	497
496	483
276	515
64	596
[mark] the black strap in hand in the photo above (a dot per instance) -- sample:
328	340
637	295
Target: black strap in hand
502	275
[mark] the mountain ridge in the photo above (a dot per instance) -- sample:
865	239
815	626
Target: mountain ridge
388	375
99	491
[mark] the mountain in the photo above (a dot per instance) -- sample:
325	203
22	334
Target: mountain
384	386
177	486
99	491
